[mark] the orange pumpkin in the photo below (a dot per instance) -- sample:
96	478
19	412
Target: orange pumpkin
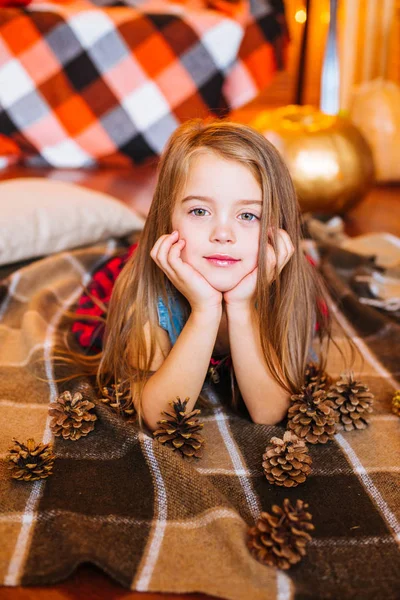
375	110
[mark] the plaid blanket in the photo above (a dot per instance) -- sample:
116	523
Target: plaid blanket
82	84
154	522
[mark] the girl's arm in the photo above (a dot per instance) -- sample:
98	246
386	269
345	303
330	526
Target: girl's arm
185	368
266	401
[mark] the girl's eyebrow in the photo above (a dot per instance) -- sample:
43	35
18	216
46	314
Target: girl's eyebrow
207	199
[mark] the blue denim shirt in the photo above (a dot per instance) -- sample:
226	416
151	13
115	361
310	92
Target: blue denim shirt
177	317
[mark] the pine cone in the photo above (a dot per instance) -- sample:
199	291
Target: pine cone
180	431
280	539
353	402
119	398
72	418
312	416
317	377
287	462
31	461
396	403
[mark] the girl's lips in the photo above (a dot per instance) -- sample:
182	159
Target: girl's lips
219	262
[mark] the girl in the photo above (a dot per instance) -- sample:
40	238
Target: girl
218	275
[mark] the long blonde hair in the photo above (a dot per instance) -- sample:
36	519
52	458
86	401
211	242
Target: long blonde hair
287	309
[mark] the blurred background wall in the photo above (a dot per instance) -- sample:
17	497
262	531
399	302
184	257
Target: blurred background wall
373	36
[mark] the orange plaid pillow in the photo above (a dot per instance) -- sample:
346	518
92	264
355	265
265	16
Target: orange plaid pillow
232	8
9	151
4	3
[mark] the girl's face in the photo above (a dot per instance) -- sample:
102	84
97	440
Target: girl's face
219	212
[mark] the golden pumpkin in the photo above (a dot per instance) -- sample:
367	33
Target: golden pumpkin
329	160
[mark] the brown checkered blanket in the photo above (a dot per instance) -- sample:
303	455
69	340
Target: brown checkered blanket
154	522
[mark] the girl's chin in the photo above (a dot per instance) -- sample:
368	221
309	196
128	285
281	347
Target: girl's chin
221	285
222	279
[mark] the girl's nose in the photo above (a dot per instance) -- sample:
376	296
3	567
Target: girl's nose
222	233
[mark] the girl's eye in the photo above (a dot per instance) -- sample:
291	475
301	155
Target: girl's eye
251	215
248	214
194	209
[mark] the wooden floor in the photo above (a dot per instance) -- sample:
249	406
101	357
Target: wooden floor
378	211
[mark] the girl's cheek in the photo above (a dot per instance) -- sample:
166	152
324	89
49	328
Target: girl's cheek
188	256
184	253
255	253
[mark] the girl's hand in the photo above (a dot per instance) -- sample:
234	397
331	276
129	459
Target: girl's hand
242	295
200	294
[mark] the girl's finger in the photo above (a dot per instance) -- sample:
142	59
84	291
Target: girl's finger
286	237
175	250
284	248
174	258
156	247
165	246
280	253
161	258
270	233
271	258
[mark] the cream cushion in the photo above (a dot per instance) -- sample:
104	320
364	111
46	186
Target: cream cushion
39	217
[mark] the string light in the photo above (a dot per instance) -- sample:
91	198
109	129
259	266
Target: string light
300	16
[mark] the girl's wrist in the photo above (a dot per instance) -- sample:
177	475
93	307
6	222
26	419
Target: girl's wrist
240	312
207	314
